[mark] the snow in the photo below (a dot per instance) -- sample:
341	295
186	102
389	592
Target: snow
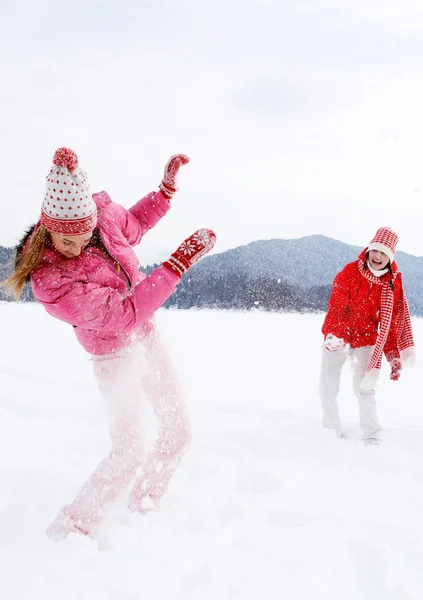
266	504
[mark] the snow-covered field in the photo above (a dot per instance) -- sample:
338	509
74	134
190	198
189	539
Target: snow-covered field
266	504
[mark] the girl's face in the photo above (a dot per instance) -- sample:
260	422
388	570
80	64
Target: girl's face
70	245
378	260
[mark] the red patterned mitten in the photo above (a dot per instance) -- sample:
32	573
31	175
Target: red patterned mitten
190	251
396	368
168	185
395	363
333	343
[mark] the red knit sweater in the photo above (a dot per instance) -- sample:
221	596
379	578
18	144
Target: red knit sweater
354	309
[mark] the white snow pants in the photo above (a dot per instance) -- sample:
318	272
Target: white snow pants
330	376
138	372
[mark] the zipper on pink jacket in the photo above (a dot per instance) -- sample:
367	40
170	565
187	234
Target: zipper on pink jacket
105	258
129	281
118	272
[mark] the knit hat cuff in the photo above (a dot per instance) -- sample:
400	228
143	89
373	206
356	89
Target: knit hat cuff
69	226
382	248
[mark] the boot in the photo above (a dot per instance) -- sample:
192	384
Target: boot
63	525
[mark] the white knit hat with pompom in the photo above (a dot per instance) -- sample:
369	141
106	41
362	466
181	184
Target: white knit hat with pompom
68	207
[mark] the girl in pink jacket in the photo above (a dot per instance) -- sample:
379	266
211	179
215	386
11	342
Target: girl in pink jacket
83	270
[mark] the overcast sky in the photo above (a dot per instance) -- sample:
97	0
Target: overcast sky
300	117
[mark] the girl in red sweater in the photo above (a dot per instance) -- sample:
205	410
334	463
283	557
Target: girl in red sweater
367	317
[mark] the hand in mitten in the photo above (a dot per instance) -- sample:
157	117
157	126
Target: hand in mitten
396	368
190	251
168	185
333	343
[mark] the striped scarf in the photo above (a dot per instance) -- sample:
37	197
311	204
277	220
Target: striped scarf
405	341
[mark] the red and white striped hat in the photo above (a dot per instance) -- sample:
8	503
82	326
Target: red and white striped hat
385	240
68	206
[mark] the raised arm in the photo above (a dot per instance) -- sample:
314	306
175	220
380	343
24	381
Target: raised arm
147	212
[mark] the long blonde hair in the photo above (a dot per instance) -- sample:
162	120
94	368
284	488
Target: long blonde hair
26	261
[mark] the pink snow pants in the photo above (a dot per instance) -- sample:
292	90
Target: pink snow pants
126	379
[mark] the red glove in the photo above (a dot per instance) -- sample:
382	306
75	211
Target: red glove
333	343
395	363
190	251
168	185
396	368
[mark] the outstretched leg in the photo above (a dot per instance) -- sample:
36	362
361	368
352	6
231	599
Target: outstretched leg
162	388
119	380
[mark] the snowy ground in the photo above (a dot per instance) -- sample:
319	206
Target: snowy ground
266	504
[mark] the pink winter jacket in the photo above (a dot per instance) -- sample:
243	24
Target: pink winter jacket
107	303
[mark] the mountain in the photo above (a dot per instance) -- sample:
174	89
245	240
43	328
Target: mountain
6	259
298	274
282	275
6	255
